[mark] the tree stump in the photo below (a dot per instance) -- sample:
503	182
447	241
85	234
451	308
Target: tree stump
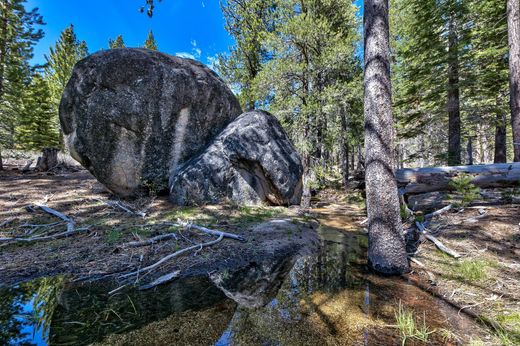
48	160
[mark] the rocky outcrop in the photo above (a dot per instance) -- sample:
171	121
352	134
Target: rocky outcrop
251	162
133	116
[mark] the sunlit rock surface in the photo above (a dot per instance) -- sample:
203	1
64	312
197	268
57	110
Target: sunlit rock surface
251	162
133	116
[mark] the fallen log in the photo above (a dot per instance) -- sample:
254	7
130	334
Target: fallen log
413	181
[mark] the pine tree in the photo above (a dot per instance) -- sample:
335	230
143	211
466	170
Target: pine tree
247	21
19	33
386	247
513	29
35	128
117	43
150	42
61	60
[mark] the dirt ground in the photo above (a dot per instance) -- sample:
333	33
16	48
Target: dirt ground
100	250
484	282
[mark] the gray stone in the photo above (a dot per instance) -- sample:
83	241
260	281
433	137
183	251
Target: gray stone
257	283
133	116
251	162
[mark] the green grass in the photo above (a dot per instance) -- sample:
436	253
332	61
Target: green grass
473	270
409	328
113	236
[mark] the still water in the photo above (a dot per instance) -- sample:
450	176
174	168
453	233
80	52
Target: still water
327	298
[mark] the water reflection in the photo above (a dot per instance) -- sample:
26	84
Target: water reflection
26	311
327	298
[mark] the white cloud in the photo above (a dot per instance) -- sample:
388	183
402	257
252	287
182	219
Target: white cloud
203	5
185	55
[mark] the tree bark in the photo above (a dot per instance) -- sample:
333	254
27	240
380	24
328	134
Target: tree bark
500	138
414	181
344	152
453	96
1	161
386	246
513	31
469	150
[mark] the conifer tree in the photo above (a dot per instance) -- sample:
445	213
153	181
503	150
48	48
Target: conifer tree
61	60
35	128
19	32
513	24
117	43
386	246
150	42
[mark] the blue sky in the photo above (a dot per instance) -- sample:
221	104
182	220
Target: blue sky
189	27
193	28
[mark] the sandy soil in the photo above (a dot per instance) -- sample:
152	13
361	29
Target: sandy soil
101	251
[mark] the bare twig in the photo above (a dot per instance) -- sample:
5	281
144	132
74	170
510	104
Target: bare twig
120	205
189	225
152	240
47	237
436	241
175	254
68	220
7	222
438	212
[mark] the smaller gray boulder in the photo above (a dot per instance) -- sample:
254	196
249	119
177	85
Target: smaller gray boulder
252	161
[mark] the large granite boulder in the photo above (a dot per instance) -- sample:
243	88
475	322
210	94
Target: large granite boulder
133	116
251	162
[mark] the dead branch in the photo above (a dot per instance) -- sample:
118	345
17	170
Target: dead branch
189	225
436	241
120	205
47	237
7	222
152	240
68	220
438	212
175	254
161	280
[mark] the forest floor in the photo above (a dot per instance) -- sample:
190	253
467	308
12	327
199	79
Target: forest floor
485	281
101	250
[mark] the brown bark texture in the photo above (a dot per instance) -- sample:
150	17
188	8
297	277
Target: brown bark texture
513	31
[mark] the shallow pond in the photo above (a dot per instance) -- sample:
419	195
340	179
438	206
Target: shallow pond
327	298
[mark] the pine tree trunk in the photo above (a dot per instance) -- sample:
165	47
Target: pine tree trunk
500	138
513	30
453	97
386	246
344	155
469	151
1	161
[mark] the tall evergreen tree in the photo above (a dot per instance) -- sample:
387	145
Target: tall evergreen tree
19	33
248	21
36	128
386	247
150	42
117	43
513	30
60	61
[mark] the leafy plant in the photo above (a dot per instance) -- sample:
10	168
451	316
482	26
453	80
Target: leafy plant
465	188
